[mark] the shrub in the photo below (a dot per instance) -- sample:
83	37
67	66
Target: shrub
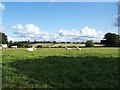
73	46
39	46
89	43
60	46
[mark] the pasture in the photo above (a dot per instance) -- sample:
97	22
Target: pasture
60	68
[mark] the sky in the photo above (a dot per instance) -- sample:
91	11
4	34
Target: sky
61	0
58	21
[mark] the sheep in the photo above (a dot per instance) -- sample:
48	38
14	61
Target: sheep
68	48
13	46
30	49
0	47
78	48
34	48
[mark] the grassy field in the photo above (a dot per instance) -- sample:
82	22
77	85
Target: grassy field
57	67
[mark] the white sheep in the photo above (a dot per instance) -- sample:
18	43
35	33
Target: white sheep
78	48
30	49
34	48
68	48
0	47
4	46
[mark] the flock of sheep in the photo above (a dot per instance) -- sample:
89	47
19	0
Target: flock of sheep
4	46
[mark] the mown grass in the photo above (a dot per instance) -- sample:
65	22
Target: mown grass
57	67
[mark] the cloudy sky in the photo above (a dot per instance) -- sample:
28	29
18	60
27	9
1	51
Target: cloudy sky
53	21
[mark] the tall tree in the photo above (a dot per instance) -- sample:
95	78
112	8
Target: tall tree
111	39
3	38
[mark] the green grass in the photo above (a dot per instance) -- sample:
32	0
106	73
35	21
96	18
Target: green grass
57	67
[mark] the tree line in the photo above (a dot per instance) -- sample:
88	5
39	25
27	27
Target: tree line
109	40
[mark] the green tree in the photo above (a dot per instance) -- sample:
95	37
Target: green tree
10	44
111	39
54	41
3	38
89	43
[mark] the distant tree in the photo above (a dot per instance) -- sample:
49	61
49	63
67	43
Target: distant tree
77	42
39	46
10	43
62	42
60	46
102	42
82	42
111	39
3	38
54	41
25	46
89	43
68	42
35	42
28	42
96	43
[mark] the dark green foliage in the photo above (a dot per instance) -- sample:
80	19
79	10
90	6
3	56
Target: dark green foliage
111	40
20	44
54	41
39	46
60	46
3	38
102	42
10	44
89	43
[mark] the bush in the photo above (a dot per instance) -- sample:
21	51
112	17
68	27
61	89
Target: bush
89	43
60	46
39	46
73	46
25	46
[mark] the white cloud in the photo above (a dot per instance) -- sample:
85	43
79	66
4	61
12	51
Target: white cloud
32	32
86	31
2	6
65	32
80	35
28	30
12	38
